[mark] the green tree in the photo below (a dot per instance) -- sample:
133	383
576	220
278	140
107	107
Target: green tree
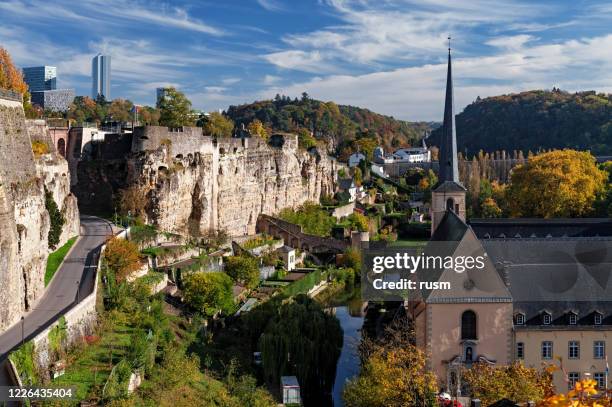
217	125
313	219
209	293
175	109
57	220
302	340
243	270
358	222
119	110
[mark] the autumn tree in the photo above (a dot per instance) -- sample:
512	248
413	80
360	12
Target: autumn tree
514	382
133	200
243	270
209	293
122	257
217	125
11	79
584	394
561	183
256	128
120	110
392	376
490	209
175	109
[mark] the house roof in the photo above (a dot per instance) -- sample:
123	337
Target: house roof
346	183
532	227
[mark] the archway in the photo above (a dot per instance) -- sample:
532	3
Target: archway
61	147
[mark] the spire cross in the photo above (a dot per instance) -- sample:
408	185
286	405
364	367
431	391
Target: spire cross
449	47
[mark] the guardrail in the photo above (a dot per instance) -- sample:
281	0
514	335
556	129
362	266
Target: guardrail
11	95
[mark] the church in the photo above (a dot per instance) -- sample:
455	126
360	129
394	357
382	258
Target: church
544	293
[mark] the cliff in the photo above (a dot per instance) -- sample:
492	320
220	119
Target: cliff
193	183
24	220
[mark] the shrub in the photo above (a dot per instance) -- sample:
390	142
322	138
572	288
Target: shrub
39	148
56	218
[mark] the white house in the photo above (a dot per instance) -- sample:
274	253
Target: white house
413	155
355	159
288	255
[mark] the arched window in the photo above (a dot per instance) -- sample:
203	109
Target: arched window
468	325
450	204
61	147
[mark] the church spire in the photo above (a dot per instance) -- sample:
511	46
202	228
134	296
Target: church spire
449	169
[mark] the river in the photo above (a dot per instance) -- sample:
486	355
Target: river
348	310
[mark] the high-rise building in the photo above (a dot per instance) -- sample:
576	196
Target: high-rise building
161	93
101	76
57	100
39	78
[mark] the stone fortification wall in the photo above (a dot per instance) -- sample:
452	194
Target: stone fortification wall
24	221
195	183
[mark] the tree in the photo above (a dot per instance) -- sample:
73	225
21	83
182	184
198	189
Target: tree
561	183
393	377
217	125
11	78
57	220
175	109
302	340
489	209
256	128
357	176
359	222
209	293
122	257
305	139
120	110
584	394
243	270
514	382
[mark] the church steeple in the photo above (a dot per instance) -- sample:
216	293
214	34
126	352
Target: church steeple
449	194
449	169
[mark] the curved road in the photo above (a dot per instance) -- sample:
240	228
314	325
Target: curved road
75	277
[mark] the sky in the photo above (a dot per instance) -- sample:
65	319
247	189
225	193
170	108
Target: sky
385	55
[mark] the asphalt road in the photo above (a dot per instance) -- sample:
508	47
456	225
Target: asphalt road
73	281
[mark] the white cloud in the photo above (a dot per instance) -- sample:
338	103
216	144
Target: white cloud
417	93
270	5
513	42
307	61
271	79
230	81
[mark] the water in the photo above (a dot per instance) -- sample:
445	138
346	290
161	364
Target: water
349	313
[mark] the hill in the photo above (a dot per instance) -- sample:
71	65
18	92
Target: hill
341	126
536	120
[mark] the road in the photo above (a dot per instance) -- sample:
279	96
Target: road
75	277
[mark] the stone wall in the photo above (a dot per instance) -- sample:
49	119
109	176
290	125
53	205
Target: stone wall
195	183
24	221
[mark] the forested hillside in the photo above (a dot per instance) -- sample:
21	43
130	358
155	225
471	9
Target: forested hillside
536	120
345	126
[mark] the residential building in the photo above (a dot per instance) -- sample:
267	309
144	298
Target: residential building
101	76
40	78
544	290
57	100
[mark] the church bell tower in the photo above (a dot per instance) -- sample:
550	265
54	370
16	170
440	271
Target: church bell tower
449	193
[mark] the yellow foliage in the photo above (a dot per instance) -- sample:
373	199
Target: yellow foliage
256	128
584	394
392	377
560	183
39	148
10	77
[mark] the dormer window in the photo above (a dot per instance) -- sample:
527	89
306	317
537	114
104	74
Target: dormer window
520	319
598	318
546	318
573	318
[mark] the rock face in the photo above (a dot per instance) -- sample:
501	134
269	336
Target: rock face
194	183
24	221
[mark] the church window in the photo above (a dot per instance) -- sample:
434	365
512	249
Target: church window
468	325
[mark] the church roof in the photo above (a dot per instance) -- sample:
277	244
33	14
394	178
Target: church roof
449	186
541	228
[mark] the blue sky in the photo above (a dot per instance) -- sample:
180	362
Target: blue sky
386	55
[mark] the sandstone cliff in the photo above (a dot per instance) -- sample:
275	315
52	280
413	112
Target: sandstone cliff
24	221
194	183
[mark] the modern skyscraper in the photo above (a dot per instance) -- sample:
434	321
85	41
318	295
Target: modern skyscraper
39	78
101	76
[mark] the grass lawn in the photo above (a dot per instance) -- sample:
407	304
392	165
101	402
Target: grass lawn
56	258
90	365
